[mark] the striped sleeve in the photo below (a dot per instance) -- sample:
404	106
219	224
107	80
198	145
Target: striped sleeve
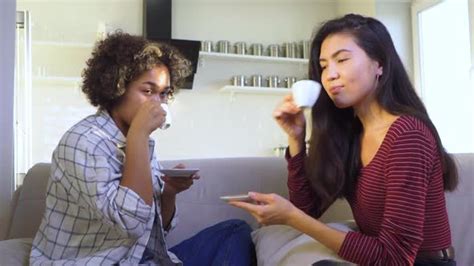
300	190
406	176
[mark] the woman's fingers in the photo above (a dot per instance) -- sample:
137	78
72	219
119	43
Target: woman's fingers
286	108
257	211
249	207
260	197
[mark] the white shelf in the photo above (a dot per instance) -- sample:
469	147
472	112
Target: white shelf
252	58
255	90
215	70
64	44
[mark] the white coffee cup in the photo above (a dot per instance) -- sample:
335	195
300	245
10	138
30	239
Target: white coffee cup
305	93
167	122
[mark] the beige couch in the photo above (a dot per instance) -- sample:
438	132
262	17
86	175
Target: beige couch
200	206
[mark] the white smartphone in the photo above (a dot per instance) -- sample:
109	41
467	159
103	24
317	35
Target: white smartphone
241	197
176	172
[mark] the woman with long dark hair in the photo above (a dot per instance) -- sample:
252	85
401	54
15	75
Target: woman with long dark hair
373	143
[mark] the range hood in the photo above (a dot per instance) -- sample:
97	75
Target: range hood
157	27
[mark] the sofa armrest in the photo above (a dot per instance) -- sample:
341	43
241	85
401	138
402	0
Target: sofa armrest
15	251
29	208
5	233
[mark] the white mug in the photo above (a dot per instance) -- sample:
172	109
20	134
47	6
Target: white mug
167	122
305	92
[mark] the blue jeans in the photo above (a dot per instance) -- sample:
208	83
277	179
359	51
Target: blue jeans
227	243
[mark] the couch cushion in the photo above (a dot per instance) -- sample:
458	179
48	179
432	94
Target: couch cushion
29	210
15	251
282	245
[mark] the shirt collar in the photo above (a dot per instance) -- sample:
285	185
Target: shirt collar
107	124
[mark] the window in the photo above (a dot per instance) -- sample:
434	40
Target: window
444	70
49	59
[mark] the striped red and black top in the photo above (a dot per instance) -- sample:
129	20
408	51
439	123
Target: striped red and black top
398	204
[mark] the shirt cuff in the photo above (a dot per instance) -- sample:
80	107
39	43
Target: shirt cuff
349	242
174	221
296	162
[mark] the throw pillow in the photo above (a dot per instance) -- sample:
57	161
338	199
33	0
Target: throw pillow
283	245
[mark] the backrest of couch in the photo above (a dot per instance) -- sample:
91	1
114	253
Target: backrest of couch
219	177
29	208
198	207
460	205
201	206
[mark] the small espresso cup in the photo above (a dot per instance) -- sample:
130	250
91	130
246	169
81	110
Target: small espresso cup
239	80
305	93
305	47
289	81
206	46
273	81
223	46
257	80
256	49
274	50
240	48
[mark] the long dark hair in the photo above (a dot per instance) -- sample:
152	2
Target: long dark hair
333	161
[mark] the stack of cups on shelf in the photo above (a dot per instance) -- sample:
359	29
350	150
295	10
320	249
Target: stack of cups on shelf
272	81
288	49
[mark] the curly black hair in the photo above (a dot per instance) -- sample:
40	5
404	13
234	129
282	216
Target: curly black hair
120	59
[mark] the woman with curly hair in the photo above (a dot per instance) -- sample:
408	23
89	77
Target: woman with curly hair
107	202
373	143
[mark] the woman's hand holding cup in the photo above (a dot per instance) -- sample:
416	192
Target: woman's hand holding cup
149	117
289	113
291	119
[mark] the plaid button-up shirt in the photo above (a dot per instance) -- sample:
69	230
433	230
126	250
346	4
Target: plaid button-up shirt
90	219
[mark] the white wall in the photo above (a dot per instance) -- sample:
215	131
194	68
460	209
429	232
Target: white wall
7	63
217	125
207	123
365	7
63	34
471	27
213	124
261	21
396	16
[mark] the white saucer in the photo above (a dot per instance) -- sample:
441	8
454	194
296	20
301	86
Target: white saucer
187	172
